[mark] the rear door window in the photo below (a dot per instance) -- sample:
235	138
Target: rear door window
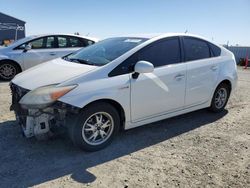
62	42
195	49
50	43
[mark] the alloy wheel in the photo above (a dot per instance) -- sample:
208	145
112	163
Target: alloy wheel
98	128
220	98
7	71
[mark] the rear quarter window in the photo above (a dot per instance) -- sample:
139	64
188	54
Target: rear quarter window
215	50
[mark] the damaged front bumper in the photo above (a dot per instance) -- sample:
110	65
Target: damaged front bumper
41	123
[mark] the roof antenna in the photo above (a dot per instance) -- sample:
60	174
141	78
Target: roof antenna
186	31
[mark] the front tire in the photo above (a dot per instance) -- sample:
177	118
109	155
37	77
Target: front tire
220	98
8	70
94	128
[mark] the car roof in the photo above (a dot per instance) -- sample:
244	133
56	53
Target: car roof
162	35
158	36
31	37
65	34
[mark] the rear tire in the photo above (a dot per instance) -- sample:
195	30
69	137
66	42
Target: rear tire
220	98
95	126
8	70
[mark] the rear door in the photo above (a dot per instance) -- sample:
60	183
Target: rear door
202	71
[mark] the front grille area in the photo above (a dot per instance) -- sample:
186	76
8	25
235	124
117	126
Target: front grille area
17	93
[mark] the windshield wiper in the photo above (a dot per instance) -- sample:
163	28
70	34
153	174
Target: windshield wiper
82	61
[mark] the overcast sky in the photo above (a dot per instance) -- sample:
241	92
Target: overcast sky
218	20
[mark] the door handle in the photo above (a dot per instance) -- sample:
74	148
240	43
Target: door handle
214	67
52	53
178	77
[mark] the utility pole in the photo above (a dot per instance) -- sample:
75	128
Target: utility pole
18	28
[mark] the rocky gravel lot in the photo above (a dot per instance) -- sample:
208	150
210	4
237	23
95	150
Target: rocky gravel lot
199	149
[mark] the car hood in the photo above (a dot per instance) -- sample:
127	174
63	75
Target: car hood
3	49
51	72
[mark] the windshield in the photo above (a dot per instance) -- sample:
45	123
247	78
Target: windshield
104	51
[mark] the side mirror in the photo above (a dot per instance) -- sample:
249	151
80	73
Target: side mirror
142	67
27	47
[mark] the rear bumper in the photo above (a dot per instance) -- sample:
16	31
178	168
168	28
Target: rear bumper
234	81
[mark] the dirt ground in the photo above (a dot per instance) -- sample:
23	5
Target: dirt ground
199	149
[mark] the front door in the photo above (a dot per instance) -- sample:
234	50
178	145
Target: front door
42	50
162	91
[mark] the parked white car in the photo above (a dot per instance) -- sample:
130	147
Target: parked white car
122	82
33	50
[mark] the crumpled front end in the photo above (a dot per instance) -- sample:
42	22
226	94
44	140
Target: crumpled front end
41	123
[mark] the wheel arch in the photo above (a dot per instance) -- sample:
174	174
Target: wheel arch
211	103
226	81
12	61
116	105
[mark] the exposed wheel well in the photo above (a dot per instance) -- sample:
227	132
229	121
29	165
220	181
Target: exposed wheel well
116	105
11	61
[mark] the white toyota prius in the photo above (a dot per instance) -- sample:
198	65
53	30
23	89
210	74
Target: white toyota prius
121	83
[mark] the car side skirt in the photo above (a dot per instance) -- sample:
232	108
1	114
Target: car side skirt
130	125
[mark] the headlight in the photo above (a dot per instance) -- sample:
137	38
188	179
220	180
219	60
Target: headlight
44	96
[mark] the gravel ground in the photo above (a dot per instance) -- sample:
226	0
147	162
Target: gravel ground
199	149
